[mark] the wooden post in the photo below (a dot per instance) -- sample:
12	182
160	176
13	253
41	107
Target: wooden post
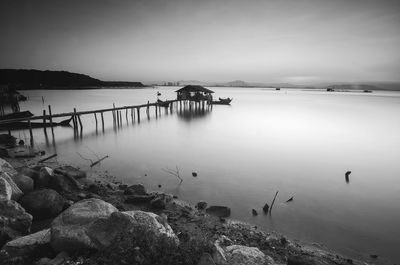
113	114
30	131
102	120
80	122
75	122
95	117
156	110
132	114
51	121
120	118
126	115
138	114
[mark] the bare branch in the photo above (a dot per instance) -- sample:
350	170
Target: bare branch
174	173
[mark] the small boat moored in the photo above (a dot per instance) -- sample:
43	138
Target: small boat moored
223	101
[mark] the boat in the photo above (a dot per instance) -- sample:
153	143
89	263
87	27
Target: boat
223	101
19	125
367	91
16	115
163	103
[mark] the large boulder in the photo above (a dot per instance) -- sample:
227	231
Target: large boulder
5	190
103	232
6	167
70	172
43	204
69	229
14	220
64	183
136	189
16	192
33	173
28	245
24	183
243	255
44	177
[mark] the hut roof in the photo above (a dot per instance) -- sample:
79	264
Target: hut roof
191	88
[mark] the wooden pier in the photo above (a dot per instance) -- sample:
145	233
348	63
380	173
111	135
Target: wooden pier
77	124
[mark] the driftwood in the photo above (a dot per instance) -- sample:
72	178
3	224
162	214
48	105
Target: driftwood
47	158
175	173
98	161
273	201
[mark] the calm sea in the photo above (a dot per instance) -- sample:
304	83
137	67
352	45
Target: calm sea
297	142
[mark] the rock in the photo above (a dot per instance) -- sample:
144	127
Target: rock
69	229
266	208
158	203
24	183
63	183
5	190
206	259
123	186
305	259
218	254
194	174
219	211
16	192
103	232
33	173
254	212
27	245
137	189
43	204
6	167
201	205
44	178
243	255
14	220
58	260
139	198
70	172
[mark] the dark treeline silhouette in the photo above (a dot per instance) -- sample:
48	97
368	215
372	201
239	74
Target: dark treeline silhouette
36	79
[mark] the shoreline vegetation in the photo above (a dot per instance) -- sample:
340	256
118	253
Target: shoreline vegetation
53	213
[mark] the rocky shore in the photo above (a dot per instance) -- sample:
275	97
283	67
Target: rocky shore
57	214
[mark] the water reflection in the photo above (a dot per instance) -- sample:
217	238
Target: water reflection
188	114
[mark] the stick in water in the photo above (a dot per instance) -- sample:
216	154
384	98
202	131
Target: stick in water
98	161
273	201
47	158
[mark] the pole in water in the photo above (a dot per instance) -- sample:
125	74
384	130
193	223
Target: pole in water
102	121
30	131
273	201
44	121
51	121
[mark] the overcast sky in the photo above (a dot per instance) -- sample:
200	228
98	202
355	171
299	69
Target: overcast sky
211	40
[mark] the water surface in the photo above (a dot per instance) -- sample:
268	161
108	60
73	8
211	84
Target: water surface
298	142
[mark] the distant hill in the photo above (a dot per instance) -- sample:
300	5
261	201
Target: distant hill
36	79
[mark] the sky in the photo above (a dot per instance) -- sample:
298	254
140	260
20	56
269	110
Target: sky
294	41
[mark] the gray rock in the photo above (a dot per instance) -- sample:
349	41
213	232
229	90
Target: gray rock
69	229
16	192
43	204
158	202
219	211
33	173
27	245
14	220
64	183
201	205
5	190
44	178
103	232
254	212
206	259
138	198
137	189
60	259
243	255
70	172
24	183
6	167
